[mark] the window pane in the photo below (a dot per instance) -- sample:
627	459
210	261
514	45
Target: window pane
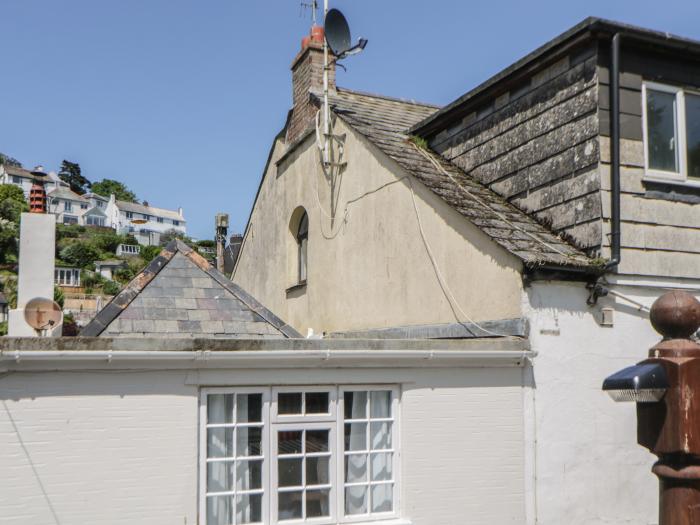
382	498
289	442
317	441
248	441
220	442
355	500
355	468
381	467
289	472
380	435
220	408
380	404
317	471
289	403
249	475
249	408
692	121
249	508
289	505
317	503
317	403
661	130
220	476
355	405
219	510
355	436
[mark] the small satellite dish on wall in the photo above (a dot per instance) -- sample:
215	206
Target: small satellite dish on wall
43	314
338	35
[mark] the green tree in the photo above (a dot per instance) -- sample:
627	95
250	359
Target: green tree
106	187
12	204
80	254
9	161
70	172
148	253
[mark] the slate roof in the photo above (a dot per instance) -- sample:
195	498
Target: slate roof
179	294
149	210
65	193
385	123
27	174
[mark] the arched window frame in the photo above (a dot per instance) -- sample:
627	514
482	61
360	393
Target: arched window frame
302	238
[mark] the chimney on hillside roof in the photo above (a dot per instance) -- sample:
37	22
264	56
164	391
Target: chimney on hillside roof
307	77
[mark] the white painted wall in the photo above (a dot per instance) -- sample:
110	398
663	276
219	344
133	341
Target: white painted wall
117	447
589	467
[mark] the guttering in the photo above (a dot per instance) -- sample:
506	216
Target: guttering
262	356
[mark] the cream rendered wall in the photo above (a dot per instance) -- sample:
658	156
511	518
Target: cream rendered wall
369	269
589	467
121	447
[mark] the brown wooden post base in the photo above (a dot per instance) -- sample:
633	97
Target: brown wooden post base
679	492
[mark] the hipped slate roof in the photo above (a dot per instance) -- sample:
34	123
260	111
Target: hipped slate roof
385	123
179	294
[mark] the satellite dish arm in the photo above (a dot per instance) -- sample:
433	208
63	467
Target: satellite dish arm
354	50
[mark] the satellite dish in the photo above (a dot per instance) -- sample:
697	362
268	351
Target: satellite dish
338	35
43	314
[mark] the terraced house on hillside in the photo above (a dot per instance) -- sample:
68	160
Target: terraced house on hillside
553	202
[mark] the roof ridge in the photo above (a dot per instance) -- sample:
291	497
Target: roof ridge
386	97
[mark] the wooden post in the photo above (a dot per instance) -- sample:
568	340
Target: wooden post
670	428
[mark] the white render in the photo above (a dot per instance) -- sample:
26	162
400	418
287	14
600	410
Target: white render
587	459
121	216
121	445
37	238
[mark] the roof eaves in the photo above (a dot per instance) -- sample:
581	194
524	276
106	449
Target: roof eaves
585	29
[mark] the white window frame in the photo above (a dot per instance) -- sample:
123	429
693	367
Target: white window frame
203	445
655	175
396	448
334	421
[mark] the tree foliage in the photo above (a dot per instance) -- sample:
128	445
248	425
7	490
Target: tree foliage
70	172
80	254
107	187
9	161
12	204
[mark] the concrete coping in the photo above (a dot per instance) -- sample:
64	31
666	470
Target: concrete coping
10	345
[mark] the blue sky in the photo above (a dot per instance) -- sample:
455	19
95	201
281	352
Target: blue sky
180	99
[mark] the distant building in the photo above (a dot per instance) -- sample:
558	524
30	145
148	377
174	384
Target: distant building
24	178
68	206
146	223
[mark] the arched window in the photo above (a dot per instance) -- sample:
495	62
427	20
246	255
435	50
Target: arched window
302	246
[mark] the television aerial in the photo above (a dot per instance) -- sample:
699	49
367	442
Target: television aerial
43	314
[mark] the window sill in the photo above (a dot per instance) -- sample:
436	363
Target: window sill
301	285
673	190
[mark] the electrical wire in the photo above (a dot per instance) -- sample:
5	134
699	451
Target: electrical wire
454	304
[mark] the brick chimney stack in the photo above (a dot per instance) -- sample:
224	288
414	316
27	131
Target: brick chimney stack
307	77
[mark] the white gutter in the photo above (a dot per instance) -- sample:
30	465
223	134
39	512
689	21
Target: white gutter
268	356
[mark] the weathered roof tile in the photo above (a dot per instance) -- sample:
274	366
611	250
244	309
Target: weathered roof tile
385	121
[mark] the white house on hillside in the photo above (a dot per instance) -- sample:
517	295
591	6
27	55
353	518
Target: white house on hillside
146	223
25	178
